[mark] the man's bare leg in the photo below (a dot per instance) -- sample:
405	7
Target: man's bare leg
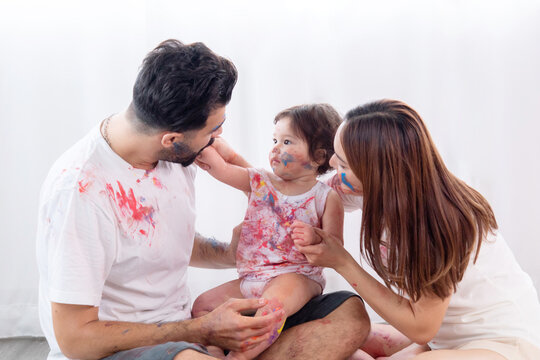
336	336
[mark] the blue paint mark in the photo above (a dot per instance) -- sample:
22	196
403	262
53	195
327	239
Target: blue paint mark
344	180
270	198
217	127
216	244
286	158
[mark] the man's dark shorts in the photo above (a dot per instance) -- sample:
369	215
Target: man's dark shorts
316	308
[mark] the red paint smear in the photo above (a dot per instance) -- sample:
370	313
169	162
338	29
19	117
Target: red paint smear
127	201
83	186
157	182
257	179
354	284
142	232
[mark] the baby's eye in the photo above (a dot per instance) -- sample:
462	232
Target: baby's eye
286	142
275	141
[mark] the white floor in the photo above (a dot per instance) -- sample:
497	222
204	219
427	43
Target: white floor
27	348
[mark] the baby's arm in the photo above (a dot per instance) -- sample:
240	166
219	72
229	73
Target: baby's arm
332	222
228	153
233	175
333	216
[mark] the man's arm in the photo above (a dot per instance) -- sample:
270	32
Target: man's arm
81	335
212	254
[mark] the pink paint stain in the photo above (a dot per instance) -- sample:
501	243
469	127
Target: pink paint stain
83	186
128	203
157	183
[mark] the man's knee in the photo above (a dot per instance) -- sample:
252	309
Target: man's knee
353	316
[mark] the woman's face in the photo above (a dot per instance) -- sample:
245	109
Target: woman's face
349	182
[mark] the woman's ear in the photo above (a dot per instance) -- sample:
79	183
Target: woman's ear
169	138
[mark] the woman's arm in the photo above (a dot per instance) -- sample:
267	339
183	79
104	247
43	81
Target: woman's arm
233	175
419	321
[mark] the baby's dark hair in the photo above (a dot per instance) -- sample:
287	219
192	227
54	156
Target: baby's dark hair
316	124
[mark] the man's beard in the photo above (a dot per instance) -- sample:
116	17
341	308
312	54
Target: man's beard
182	154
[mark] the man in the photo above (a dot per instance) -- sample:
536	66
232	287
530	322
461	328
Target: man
116	233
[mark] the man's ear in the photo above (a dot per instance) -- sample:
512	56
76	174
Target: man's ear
169	138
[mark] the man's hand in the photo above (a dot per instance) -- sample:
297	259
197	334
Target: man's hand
227	328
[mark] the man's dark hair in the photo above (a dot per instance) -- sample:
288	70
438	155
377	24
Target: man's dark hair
179	85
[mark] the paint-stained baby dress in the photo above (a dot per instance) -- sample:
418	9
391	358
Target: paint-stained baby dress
266	249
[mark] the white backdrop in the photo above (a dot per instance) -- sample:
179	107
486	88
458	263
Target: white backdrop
471	68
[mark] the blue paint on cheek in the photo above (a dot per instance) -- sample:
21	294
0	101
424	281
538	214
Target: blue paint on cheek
287	158
344	180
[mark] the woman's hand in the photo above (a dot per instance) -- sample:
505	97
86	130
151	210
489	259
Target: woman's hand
320	248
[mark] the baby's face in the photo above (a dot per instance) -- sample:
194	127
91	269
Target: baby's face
289	157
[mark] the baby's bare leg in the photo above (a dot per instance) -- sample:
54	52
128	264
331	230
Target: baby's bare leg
288	292
211	299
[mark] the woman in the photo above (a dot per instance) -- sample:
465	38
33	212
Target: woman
451	280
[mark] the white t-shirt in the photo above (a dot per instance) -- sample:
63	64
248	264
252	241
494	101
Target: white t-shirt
113	236
495	298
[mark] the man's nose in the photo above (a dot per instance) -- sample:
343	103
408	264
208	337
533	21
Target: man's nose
217	132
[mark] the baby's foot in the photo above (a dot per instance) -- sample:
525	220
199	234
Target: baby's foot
361	355
237	356
215	352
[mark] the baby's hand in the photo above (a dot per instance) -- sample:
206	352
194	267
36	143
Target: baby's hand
303	234
209	158
224	149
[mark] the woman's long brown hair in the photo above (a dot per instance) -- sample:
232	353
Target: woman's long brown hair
429	220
